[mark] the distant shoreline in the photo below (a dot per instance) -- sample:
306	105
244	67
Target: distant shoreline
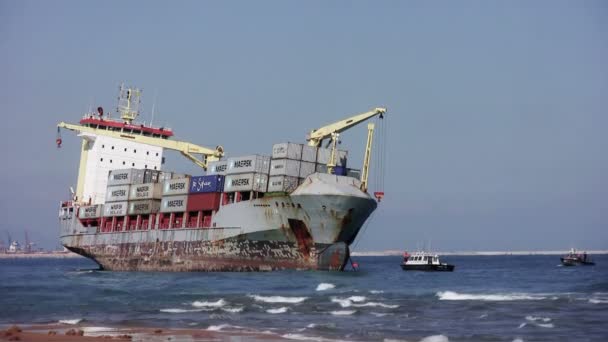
51	255
479	253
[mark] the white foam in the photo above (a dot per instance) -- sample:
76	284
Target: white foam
356	299
522	325
518	340
222	327
343	312
598	301
376	291
483	316
388	306
311	325
277	310
538	318
450	295
343	302
547	325
171	310
325	286
216	304
435	338
278	299
71	321
301	337
233	310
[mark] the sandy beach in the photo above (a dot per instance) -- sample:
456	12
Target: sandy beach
75	333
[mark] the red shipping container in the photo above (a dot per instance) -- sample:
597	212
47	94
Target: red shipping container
205	201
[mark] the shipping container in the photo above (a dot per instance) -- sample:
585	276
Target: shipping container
151	176
117	193
115	209
178	186
353	173
249	164
282	183
203	201
144	207
246	182
145	191
179	175
219	167
204	184
285	167
125	176
90	211
171	204
323	155
339	171
309	153
287	151
306	169
164	176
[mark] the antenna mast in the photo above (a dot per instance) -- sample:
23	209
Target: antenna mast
129	100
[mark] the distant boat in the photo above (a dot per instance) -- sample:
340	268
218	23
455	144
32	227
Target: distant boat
423	261
573	258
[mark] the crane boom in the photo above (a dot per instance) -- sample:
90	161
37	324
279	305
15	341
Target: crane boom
316	136
185	148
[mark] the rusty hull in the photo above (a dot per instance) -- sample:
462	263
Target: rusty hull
310	229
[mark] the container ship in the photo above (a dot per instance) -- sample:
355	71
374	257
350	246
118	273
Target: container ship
300	207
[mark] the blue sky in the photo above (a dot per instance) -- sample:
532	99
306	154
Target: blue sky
497	110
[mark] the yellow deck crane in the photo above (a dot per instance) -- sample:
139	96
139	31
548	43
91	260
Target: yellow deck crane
332	131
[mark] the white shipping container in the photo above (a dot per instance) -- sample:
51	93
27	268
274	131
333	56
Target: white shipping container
246	182
171	204
284	167
282	183
90	211
144	207
145	191
306	169
178	186
248	164
323	155
117	193
287	151
125	176
115	209
309	153
217	167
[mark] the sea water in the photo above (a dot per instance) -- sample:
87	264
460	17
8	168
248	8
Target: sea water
487	298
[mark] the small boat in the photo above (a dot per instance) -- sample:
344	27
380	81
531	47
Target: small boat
573	258
423	261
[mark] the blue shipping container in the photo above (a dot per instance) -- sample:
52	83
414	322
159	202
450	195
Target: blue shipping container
340	170
203	184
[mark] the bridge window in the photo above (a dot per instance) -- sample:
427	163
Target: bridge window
101	159
134	151
112	147
125	149
123	163
133	164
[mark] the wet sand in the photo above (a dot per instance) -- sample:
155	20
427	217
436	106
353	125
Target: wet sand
62	332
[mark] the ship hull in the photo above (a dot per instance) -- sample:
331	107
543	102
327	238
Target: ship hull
311	229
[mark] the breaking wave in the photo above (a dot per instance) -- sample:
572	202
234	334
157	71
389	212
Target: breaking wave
233	310
216	304
222	327
343	312
347	302
325	286
376	291
180	310
278	299
71	321
300	337
277	310
538	319
450	295
374	304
